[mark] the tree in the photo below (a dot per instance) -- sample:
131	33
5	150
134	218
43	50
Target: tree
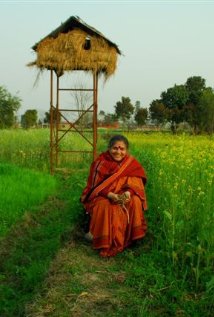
47	117
137	106
9	105
101	117
109	119
206	106
191	103
141	116
158	111
195	86
175	99
124	109
29	119
102	113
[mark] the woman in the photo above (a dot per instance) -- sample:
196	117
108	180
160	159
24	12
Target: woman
115	199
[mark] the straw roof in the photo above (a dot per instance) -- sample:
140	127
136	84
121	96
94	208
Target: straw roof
65	49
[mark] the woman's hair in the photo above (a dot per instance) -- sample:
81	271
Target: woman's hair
117	138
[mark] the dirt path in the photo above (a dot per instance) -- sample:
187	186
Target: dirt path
80	284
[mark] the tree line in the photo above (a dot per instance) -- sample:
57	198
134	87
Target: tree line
191	103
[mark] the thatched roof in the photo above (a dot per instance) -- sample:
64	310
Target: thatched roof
75	45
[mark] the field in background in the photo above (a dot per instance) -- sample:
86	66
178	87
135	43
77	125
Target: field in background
180	192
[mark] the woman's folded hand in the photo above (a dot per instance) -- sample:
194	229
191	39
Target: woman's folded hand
120	199
127	196
114	197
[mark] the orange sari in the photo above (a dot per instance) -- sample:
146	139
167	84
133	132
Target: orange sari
113	226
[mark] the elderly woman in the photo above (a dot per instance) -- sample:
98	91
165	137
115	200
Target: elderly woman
115	199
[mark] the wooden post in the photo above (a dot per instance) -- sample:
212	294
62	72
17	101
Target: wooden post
51	124
95	93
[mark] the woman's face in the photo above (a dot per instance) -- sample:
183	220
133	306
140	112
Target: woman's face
118	151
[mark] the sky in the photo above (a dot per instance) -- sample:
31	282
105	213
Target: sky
163	42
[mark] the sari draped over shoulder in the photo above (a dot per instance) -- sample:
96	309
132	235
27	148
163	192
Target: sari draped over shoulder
112	225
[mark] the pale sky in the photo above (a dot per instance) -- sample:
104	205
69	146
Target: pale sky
163	43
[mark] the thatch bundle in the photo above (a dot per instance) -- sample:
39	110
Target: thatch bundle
67	51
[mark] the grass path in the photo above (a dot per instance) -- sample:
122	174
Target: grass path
81	284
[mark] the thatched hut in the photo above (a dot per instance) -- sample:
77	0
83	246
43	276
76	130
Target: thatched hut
75	45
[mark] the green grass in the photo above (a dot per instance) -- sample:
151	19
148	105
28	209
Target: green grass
21	190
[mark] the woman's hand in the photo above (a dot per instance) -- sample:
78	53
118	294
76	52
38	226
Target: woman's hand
127	196
112	196
120	199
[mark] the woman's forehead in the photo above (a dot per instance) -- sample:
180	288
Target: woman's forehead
119	143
